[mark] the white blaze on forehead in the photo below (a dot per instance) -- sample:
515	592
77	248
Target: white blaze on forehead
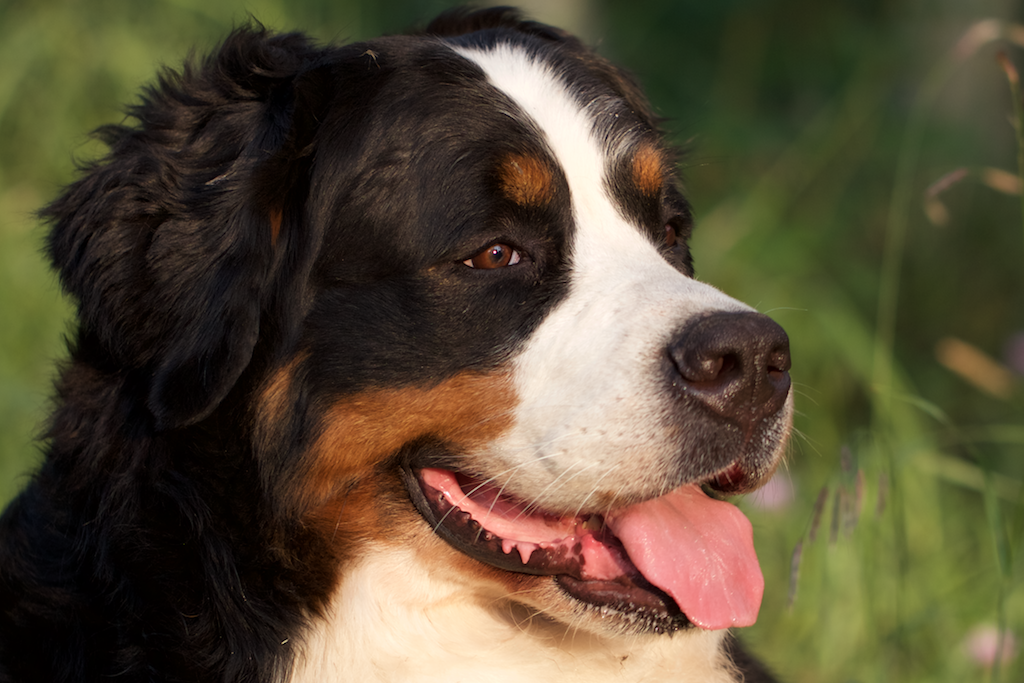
593	406
567	127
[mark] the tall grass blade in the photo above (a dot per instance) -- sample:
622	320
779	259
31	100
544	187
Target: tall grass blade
1018	118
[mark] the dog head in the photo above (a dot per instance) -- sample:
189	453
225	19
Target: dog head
436	289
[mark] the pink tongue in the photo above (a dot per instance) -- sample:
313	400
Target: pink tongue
698	550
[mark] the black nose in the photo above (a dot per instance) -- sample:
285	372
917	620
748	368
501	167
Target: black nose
735	363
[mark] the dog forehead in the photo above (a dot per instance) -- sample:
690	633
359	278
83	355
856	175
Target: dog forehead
418	153
452	131
589	129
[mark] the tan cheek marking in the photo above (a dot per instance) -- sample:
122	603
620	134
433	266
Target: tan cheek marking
356	515
527	180
649	170
467	410
352	505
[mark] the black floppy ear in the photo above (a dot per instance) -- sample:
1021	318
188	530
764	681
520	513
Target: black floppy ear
170	244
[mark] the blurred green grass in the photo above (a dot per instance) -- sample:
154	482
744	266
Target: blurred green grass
797	115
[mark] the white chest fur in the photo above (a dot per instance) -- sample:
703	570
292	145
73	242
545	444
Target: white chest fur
390	622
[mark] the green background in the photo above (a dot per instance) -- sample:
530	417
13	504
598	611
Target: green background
814	130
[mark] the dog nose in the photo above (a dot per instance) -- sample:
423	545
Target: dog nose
735	363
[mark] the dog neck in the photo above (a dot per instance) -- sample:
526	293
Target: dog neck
389	622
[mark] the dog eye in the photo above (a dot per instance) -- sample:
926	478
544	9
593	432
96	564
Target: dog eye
494	256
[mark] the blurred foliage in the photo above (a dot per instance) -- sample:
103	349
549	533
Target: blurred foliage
814	131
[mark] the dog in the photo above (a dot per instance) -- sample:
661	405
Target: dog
391	365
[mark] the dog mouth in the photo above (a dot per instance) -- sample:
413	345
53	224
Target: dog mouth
660	565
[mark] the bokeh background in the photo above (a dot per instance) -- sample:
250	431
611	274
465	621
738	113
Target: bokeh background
853	164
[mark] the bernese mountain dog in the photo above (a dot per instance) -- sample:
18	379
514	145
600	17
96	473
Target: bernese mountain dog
391	365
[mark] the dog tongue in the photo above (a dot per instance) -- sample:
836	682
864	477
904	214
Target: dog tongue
698	550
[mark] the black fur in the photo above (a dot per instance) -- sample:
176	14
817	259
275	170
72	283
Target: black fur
150	544
132	553
263	206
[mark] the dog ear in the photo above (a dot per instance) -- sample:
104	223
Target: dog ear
170	244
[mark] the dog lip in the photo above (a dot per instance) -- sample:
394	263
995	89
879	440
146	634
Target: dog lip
732	480
611	588
543	544
631	598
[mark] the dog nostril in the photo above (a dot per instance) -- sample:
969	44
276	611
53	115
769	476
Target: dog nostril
736	363
727	364
778	363
707	370
779	360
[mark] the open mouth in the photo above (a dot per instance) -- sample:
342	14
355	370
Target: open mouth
683	558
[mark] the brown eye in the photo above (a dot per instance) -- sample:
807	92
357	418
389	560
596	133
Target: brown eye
494	256
670	236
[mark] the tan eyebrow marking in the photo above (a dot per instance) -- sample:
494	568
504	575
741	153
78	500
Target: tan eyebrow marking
526	179
649	169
